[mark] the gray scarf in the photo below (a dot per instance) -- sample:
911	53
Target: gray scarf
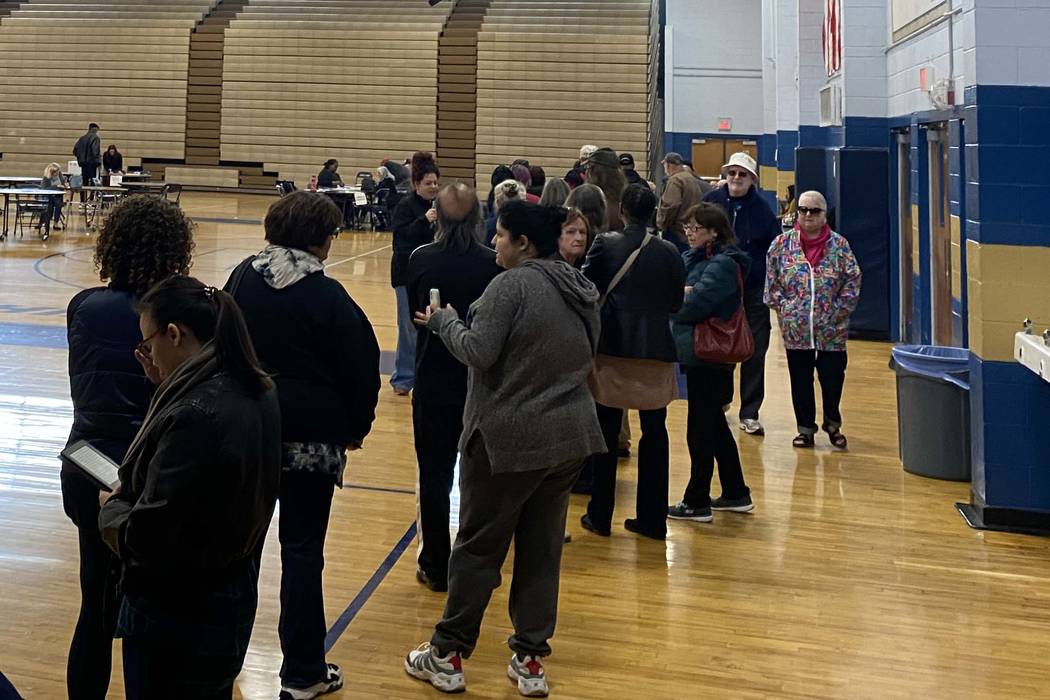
282	267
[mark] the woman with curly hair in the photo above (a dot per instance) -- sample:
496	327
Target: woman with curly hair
145	240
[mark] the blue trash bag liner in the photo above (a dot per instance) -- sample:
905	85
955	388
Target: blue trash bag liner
951	365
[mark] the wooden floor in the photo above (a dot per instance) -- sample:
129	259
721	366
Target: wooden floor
852	579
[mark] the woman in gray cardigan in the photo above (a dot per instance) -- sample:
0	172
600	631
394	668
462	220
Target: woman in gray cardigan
529	422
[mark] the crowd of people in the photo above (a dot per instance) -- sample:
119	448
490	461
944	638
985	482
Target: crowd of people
528	326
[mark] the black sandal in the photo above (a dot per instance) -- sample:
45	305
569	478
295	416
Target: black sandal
802	440
837	439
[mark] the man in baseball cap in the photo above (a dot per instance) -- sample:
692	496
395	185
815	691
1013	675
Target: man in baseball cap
755	226
681	192
627	165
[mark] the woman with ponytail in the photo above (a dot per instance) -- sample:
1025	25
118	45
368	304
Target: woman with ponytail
528	424
197	491
413	225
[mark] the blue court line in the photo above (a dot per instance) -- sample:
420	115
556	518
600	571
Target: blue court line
41	261
32	335
369	588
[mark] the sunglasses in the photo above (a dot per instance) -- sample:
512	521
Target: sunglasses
810	211
737	173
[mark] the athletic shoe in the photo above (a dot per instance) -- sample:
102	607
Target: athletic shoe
331	683
528	672
635	526
684	511
402	391
736	505
751	426
434	583
444	672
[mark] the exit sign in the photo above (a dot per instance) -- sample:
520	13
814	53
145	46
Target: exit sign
725	124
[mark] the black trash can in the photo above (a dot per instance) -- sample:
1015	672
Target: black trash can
933	410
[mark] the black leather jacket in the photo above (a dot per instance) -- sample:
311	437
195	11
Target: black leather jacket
197	503
636	316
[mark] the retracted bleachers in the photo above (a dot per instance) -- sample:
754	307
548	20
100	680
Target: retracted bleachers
305	81
120	63
556	74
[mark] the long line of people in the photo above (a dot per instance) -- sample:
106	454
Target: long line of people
522	351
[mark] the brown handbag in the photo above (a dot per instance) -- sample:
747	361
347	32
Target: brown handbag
725	342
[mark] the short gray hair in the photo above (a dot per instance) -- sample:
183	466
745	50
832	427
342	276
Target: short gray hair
820	198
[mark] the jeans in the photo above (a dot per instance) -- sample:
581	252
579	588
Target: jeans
831	371
91	651
710	438
528	508
404	374
653	458
178	646
753	371
437	428
305	504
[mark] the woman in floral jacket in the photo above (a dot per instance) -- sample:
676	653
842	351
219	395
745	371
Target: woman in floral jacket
813	283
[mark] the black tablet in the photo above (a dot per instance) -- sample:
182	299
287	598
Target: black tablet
100	468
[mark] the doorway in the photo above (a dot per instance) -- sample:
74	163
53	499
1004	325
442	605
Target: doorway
710	154
940	237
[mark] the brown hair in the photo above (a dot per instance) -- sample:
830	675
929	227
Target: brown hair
572	214
713	218
302	220
423	164
145	239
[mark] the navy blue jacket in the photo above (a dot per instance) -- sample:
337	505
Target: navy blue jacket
714	292
110	391
755	225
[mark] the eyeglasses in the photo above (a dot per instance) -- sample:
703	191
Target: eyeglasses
737	173
694	228
144	347
810	211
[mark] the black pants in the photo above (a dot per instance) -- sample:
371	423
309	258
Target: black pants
91	651
753	372
88	171
183	646
831	371
437	428
528	507
56	204
710	439
305	504
653	457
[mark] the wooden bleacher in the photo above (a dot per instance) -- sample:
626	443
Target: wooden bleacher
556	74
354	80
121	63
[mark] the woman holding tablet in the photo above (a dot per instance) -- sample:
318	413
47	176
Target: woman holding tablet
198	488
144	240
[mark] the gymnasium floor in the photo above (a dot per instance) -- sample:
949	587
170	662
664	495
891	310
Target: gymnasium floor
852	579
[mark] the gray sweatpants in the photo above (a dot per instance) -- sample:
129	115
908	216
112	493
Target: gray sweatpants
528	507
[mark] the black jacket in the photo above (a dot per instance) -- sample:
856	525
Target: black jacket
633	178
755	226
460	277
326	178
411	230
87	150
636	316
112	163
322	350
110	392
197	504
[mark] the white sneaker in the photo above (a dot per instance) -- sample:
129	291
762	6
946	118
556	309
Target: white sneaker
529	674
331	683
752	427
444	672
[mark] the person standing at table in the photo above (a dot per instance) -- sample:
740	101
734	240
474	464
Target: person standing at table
87	152
112	160
413	225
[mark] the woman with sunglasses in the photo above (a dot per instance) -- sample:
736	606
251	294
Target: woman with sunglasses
197	490
144	240
813	283
320	347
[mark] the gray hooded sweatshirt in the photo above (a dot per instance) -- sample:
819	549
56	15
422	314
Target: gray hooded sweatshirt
529	345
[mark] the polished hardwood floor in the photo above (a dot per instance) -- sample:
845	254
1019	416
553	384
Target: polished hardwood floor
852	579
